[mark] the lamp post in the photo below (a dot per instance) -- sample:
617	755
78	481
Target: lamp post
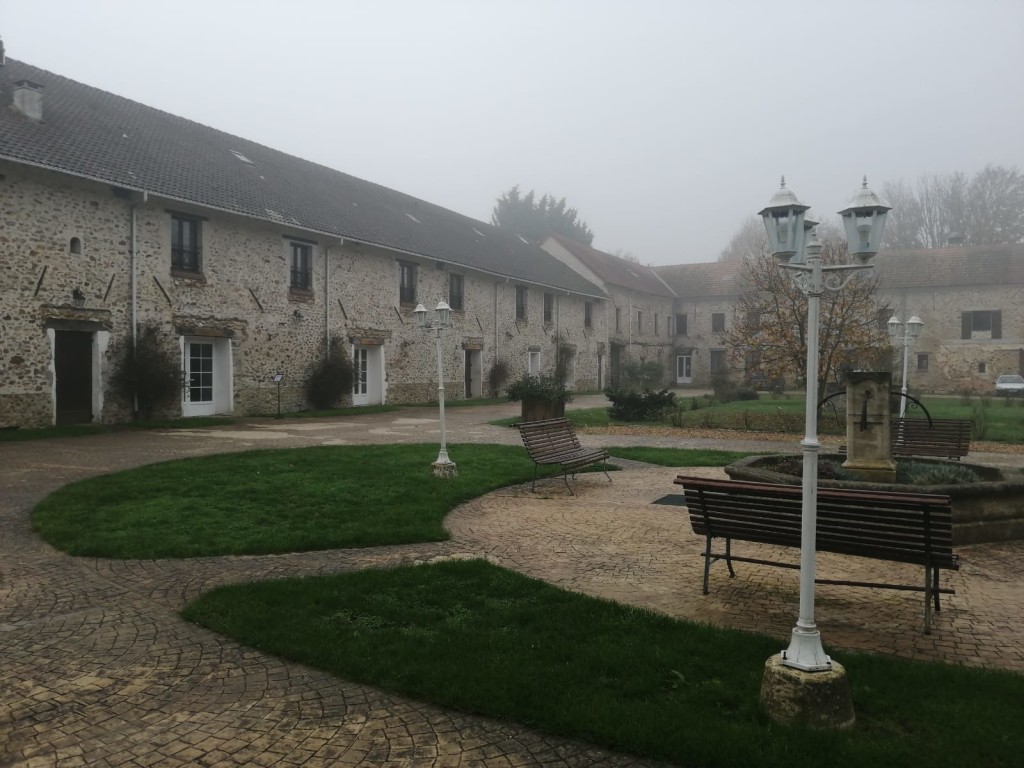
787	229
443	467
904	335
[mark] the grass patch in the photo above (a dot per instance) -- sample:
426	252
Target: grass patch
263	502
8	435
679	457
999	423
481	639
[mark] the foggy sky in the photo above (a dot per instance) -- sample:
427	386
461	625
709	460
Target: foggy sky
665	123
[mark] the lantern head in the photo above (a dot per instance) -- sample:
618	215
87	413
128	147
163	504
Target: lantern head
864	221
784	224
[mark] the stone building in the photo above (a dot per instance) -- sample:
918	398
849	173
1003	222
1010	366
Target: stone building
970	298
640	322
250	263
705	295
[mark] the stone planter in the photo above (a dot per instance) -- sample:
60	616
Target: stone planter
536	410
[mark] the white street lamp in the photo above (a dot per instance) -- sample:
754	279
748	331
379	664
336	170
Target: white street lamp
904	335
443	467
864	220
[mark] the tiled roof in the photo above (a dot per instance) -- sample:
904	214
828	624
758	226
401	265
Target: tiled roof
97	135
614	269
714	278
927	268
952	267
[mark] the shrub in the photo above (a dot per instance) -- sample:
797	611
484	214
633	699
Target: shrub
927	473
639	406
497	376
544	387
150	371
724	387
747	394
979	422
828	469
331	379
642	374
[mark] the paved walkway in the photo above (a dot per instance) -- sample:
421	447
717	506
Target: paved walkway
99	670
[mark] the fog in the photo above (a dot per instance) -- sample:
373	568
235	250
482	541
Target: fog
663	123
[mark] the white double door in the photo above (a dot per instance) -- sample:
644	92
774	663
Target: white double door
206	366
368	375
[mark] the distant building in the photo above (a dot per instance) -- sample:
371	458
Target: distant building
705	296
640	323
970	298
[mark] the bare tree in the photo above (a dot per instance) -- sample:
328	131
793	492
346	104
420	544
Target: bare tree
903	230
986	209
768	335
749	242
995	206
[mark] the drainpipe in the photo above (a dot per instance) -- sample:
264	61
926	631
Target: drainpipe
496	321
134	278
629	337
135	270
327	300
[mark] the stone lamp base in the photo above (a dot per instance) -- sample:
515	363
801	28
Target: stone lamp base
443	469
819	700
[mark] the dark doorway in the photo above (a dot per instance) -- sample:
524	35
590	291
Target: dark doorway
72	358
615	365
469	374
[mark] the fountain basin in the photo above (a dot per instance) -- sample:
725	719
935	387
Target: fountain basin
988	511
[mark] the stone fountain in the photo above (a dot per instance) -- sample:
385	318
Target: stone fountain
986	511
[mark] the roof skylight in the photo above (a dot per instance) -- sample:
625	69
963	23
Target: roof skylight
414	218
241	157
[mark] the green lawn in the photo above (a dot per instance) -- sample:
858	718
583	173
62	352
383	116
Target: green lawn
481	639
996	419
263	502
679	457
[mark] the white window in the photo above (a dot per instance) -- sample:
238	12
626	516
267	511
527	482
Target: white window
533	364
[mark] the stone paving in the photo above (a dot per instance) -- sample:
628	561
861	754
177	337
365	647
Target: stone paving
99	670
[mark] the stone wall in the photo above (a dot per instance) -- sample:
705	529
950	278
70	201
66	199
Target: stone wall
242	294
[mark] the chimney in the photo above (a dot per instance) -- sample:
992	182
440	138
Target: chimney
28	99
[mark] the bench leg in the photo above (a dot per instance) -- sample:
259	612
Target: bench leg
533	486
728	558
935	589
604	468
707	561
927	600
565	477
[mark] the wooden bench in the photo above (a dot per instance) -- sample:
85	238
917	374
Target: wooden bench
899	527
553	441
945	438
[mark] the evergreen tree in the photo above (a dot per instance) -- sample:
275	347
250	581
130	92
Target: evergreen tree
537	219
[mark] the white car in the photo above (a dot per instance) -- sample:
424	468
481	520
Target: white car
1010	384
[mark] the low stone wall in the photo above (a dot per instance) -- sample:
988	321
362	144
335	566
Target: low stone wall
988	511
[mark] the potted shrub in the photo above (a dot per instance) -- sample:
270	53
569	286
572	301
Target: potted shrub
543	397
